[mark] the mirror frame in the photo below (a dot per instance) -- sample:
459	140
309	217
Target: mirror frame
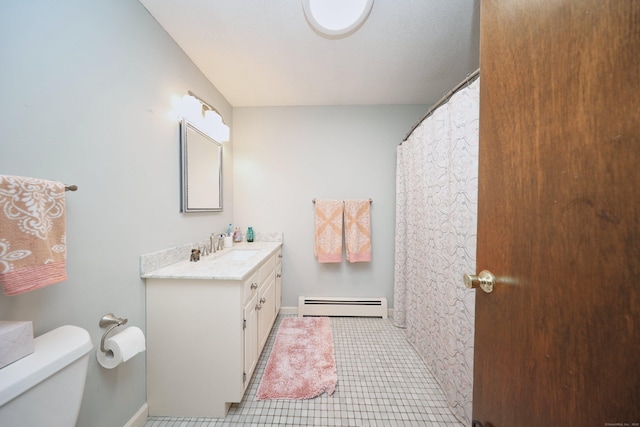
189	130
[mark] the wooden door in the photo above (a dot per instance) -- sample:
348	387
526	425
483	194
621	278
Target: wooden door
558	341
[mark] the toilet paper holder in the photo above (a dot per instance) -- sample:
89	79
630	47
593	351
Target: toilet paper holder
111	321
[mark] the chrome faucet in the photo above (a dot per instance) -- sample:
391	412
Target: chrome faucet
216	242
213	243
221	242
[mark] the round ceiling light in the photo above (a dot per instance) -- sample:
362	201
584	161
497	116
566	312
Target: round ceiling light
336	18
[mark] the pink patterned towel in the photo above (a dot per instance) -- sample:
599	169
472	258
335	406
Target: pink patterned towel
357	224
32	234
328	238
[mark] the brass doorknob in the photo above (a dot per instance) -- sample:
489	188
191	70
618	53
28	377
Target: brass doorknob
485	280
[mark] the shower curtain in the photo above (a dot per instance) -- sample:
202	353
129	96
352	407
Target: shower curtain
436	220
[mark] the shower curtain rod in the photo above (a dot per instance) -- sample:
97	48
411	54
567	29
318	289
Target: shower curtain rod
470	78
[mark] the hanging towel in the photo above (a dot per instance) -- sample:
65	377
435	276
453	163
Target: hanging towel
328	238
32	234
357	225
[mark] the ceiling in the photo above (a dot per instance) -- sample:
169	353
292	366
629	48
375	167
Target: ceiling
263	52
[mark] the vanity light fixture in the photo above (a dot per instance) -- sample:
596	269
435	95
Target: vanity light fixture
204	116
336	19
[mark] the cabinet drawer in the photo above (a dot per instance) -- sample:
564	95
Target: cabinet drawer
250	286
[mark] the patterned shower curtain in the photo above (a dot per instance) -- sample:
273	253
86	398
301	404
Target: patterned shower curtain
436	220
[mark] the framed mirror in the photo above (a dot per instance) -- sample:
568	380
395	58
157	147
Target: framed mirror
201	174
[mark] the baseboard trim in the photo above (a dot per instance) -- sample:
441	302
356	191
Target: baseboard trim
294	311
289	310
139	417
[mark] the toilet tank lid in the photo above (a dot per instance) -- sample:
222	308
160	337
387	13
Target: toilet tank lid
52	351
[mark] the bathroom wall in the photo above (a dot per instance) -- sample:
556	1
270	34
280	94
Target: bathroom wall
286	156
87	90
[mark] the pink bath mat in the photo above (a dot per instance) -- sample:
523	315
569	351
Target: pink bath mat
302	363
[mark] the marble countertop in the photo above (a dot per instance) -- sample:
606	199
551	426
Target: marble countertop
221	265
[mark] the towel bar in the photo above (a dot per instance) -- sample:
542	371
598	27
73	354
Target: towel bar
314	200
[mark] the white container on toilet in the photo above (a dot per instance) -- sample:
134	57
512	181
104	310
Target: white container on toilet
45	388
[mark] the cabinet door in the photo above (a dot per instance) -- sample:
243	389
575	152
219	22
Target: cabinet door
278	281
250	317
266	314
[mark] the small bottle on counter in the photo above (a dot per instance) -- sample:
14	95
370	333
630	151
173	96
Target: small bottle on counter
250	235
237	235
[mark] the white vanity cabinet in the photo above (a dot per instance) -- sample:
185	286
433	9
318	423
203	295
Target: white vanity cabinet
205	334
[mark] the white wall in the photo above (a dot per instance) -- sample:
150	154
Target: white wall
86	92
286	156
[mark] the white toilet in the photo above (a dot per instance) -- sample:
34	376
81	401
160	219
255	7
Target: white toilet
45	388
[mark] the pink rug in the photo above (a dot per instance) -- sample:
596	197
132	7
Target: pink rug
302	363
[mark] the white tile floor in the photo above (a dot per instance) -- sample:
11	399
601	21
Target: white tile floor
381	382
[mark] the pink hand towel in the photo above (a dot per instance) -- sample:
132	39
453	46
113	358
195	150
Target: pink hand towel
328	237
357	224
32	234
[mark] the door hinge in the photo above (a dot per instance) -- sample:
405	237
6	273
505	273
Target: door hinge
244	377
244	323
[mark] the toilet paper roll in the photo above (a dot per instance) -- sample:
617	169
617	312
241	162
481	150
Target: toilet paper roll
123	346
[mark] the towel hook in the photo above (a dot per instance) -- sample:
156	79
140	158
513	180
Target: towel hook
111	321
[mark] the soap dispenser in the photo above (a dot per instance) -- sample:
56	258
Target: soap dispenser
250	234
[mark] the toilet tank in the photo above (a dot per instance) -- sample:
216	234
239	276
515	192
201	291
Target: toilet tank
45	388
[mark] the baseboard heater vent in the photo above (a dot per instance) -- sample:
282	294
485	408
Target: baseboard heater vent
342	307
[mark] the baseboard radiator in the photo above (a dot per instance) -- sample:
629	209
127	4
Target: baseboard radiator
342	307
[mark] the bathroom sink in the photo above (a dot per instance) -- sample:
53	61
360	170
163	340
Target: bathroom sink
240	254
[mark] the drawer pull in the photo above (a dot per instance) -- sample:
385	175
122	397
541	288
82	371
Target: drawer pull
263	300
258	306
254	285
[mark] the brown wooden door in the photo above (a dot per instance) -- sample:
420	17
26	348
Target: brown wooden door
558	341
